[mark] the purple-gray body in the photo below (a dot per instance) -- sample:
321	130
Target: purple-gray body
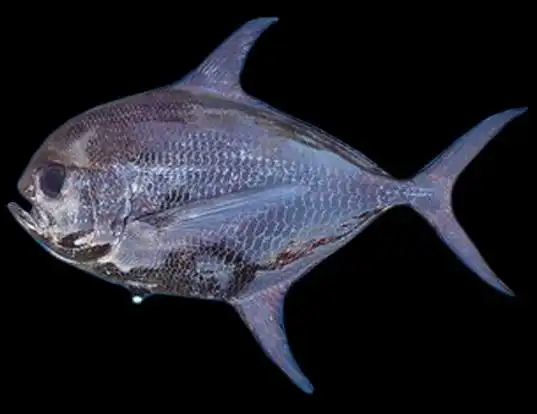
196	189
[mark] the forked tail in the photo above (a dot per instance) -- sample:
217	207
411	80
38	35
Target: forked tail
440	176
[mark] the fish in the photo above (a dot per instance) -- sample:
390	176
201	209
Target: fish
198	189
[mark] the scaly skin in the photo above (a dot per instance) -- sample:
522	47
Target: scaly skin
171	149
197	189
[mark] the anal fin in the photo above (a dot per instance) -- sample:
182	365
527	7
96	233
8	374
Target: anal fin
263	314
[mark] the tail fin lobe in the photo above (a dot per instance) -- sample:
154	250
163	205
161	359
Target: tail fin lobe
440	176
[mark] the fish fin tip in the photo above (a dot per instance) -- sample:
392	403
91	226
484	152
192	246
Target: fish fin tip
262	312
439	177
220	72
306	386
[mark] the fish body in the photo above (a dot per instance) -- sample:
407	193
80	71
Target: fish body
197	189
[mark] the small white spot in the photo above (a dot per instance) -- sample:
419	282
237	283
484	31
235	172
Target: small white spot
137	299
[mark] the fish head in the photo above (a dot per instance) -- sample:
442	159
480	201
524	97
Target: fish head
78	203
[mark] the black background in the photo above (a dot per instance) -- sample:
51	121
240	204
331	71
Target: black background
391	320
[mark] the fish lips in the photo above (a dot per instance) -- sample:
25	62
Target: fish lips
28	223
25	219
71	254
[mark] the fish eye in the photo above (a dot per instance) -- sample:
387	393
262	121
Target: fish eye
51	180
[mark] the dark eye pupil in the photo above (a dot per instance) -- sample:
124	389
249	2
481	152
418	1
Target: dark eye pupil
52	180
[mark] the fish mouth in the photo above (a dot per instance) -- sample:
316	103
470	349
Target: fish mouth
29	223
25	219
72	254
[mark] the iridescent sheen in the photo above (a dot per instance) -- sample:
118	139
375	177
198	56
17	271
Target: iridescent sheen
196	189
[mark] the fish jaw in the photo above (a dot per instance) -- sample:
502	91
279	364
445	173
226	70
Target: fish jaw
33	228
30	225
25	219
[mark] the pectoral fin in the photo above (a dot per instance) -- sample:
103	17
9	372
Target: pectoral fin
216	211
263	314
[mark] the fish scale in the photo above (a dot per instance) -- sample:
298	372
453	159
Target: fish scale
165	173
197	189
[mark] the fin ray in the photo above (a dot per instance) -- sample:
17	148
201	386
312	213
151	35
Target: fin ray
215	211
440	175
263	314
220	72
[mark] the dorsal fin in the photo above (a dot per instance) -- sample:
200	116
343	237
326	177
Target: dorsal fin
220	72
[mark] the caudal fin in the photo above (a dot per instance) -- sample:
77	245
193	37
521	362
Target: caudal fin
440	176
